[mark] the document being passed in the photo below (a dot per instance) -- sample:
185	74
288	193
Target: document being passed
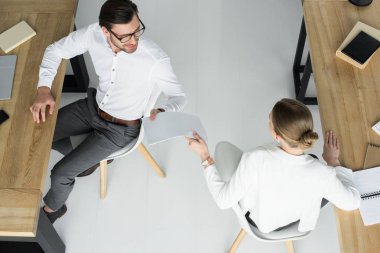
168	125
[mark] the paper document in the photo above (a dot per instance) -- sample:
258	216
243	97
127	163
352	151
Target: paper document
168	125
367	183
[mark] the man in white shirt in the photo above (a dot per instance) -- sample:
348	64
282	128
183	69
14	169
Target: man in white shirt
132	73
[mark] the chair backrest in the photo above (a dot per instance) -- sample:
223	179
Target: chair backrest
227	159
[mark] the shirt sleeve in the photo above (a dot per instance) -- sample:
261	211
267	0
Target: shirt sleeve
68	47
168	83
226	194
341	190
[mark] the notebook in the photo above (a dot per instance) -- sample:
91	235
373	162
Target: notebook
15	36
7	70
367	183
361	47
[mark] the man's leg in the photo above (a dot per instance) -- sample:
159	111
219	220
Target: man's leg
96	147
73	119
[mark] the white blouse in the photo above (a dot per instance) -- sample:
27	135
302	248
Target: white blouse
279	188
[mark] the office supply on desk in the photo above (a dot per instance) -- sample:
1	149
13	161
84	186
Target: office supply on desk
361	2
7	70
367	182
376	128
3	116
168	125
360	45
15	36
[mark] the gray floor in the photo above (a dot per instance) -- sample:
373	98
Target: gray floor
234	59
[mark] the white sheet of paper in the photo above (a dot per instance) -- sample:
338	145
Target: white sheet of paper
367	181
168	125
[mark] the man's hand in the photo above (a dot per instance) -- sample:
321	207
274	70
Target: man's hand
154	112
199	146
331	149
43	99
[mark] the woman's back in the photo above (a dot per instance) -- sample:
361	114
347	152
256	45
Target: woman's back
288	188
278	188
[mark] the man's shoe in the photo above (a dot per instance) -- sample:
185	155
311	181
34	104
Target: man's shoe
92	169
53	216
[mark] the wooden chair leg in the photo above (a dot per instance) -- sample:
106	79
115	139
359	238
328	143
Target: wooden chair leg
103	179
237	241
151	160
289	246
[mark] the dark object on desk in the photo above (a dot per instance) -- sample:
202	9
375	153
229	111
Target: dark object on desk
361	47
3	116
360	2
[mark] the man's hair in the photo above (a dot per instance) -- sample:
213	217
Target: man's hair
117	12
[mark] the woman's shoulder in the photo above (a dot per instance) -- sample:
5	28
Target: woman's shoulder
260	153
263	150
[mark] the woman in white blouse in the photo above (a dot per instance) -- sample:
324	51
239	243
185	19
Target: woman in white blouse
278	185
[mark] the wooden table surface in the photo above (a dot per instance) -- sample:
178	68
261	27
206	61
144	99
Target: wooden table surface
348	98
25	145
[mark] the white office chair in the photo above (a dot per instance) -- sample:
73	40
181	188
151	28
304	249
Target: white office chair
136	143
132	146
227	158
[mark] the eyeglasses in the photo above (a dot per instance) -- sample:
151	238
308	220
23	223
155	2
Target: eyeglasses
128	37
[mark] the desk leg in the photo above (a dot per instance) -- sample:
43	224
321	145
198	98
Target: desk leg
46	241
47	237
300	84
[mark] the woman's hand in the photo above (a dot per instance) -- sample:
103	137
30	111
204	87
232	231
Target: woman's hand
331	149
199	146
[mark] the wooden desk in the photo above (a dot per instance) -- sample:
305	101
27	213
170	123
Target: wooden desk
349	100
24	145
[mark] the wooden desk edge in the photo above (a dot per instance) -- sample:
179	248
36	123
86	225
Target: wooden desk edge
20	208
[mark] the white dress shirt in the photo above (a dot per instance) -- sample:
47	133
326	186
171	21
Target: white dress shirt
129	84
279	188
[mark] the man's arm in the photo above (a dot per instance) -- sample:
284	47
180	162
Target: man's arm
168	83
74	44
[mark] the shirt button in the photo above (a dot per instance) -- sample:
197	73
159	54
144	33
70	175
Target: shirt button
111	82
113	69
107	95
102	103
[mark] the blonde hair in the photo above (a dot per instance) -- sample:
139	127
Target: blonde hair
293	121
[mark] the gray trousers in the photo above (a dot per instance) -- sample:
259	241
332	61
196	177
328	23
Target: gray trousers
104	139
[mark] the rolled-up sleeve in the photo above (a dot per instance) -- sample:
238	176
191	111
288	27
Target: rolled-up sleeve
167	81
226	194
68	47
341	190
